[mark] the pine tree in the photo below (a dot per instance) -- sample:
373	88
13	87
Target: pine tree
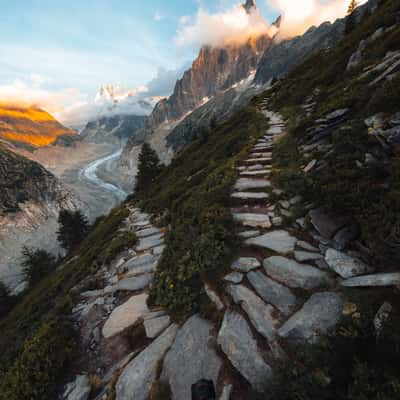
350	20
36	264
148	169
352	6
6	299
73	228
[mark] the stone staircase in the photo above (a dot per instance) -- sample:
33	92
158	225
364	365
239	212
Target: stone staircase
282	290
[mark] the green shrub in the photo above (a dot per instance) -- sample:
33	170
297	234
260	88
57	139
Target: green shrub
123	241
192	195
36	371
37	264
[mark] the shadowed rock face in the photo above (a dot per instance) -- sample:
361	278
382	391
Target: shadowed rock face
279	58
23	180
113	129
214	70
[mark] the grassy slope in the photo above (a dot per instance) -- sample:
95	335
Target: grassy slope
192	198
371	195
36	340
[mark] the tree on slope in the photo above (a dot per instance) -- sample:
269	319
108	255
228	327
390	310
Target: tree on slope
36	264
73	228
6	299
148	169
350	20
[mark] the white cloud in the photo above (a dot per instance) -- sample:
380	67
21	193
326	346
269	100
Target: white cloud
299	15
31	92
233	25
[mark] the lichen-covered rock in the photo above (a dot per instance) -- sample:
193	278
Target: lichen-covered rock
139	375
241	348
319	315
190	358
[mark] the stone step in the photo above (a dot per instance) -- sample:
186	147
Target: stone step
263	160
246	264
263	154
382	279
150	242
345	265
240	347
247	183
248	234
319	316
253	220
302	256
296	275
261	315
261	172
279	241
250	195
273	292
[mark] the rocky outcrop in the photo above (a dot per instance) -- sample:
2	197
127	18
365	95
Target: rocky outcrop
282	56
214	70
181	369
30	200
113	129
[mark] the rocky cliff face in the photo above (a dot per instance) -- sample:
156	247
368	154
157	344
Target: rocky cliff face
30	200
33	127
282	56
214	70
113	129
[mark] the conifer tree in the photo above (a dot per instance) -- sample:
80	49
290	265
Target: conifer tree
73	228
350	20
6	299
148	169
37	264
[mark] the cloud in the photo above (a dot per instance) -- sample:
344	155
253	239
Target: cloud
31	92
231	26
299	15
164	82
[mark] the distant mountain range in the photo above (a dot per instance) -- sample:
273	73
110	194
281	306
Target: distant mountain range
32	127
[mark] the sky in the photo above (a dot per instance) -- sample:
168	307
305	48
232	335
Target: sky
62	51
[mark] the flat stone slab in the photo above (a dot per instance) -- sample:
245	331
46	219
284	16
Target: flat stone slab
79	389
307	246
280	241
147	232
241	348
327	225
139	375
246	264
154	326
234	277
130	284
346	266
136	263
190	358
150	242
273	292
275	130
259	313
257	160
383	279
126	315
214	297
250	195
262	172
243	184
254	167
302	256
262	154
248	234
253	220
319	316
296	275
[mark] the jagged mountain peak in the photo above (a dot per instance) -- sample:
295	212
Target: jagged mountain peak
249	5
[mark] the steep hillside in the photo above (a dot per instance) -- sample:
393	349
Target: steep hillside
273	239
31	126
30	200
114	129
